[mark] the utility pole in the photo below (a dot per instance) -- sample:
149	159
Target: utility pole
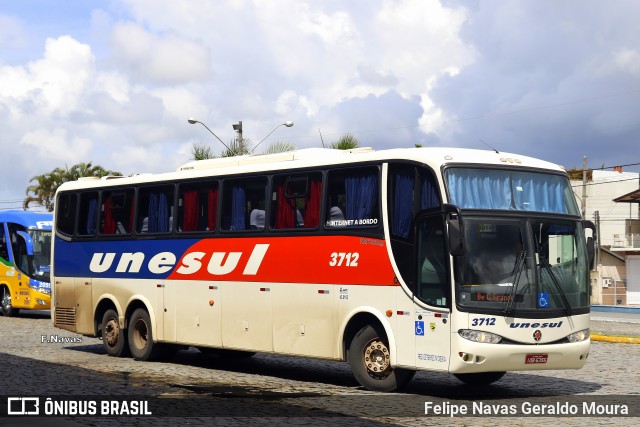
584	187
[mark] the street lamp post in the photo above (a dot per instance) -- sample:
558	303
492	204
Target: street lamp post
238	128
287	124
194	121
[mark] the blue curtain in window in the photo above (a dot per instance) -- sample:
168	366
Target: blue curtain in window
403	204
429	195
163	213
152	221
238	202
479	189
533	194
91	216
361	195
501	189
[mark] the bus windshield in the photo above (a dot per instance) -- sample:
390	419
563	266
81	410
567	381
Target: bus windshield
510	190
41	254
532	266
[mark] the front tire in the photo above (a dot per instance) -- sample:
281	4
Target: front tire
5	303
114	339
369	358
481	378
141	336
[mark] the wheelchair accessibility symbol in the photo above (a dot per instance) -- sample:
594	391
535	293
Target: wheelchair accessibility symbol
419	327
543	299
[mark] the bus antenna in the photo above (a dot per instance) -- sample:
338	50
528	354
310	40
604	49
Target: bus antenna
321	140
497	152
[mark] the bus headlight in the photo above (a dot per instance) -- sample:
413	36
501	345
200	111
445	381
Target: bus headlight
579	336
480	336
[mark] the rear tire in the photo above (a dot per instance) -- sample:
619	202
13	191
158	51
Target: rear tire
481	378
141	337
5	303
114	339
369	359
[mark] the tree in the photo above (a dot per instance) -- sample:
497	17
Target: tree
279	147
576	174
346	142
202	152
43	191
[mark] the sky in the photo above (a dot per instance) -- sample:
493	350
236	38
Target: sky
114	82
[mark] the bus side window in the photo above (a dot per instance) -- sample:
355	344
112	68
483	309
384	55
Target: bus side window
117	212
66	213
198	206
295	201
244	203
3	244
88	214
155	210
432	262
352	198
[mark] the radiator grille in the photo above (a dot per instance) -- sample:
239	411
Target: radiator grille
65	316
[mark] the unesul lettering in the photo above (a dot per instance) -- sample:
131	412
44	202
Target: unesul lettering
220	263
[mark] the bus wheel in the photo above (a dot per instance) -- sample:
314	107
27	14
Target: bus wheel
141	336
7	308
480	378
114	339
369	358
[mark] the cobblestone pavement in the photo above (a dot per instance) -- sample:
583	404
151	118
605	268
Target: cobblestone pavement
263	389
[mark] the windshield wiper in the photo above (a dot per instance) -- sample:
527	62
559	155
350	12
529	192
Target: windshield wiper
554	280
517	272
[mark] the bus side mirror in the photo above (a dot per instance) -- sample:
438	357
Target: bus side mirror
456	237
455	229
591	252
27	240
591	245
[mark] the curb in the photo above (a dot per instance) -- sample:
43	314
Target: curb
615	338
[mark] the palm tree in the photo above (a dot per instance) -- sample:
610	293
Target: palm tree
233	149
202	152
346	142
43	191
279	147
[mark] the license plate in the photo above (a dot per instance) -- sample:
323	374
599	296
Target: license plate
536	358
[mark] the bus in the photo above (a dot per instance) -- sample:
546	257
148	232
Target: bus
25	261
439	259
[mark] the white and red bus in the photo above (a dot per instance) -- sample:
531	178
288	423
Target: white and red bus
463	261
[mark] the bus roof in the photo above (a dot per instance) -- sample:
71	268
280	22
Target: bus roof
29	219
435	157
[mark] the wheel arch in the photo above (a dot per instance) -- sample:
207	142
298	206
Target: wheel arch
139	301
105	303
358	319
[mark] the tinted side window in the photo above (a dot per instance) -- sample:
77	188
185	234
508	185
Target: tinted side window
155	209
295	201
352	198
411	189
244	203
116	212
198	206
88	214
66	212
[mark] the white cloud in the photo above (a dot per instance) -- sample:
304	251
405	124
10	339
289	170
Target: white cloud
54	84
628	60
159	58
57	146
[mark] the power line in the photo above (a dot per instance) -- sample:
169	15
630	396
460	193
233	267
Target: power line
605	182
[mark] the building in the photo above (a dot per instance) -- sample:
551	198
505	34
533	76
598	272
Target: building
612	202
